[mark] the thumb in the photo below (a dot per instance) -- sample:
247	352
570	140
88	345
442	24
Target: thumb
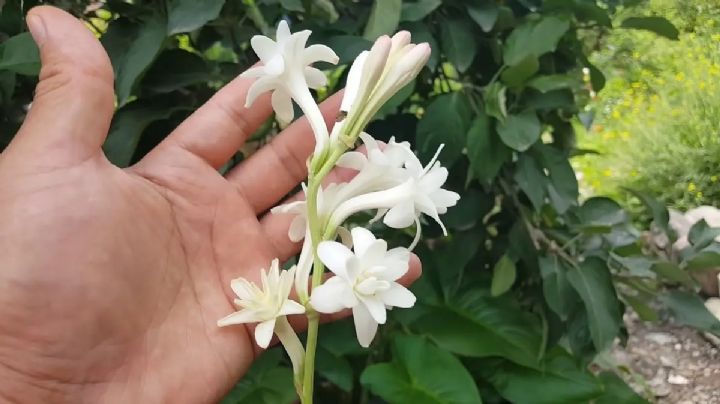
73	105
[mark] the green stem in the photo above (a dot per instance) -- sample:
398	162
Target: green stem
317	234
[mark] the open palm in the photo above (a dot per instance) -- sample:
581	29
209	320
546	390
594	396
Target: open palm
112	280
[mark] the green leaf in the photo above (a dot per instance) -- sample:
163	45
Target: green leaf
702	235
534	38
495	100
446	121
334	368
293	5
658	25
515	76
504	275
592	281
128	125
558	381
485	150
451	258
690	310
563	189
384	18
617	391
481	326
484	13
175	69
458	42
672	272
418	10
558	292
553	82
7	86
703	261
348	47
601	212
132	48
421	373
189	15
20	55
531	179
421	33
265	383
644	311
597	78
520	131
660	214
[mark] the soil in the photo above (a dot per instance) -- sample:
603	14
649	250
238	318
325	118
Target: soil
672	364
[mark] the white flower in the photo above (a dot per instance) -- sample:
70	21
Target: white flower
375	76
327	199
286	71
418	190
263	306
364	281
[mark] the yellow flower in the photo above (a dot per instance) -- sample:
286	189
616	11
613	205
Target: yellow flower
691	187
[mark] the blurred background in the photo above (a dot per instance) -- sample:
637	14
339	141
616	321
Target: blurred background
583	135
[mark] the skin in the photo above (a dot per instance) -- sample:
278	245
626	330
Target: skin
112	280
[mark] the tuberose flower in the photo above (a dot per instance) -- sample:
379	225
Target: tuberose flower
263	306
286	71
375	76
365	280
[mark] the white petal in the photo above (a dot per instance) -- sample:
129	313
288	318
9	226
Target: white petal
300	40
362	240
264	47
376	308
444	199
274	273
365	326
352	85
315	78
398	296
319	53
374	252
335	256
264	333
292	207
283	31
253	72
434	179
291	307
275	66
399	41
354	160
369	141
297	229
282	104
239	317
333	296
380	213
260	86
401	216
242	288
345	236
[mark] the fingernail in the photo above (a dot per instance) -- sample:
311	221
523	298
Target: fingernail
37	28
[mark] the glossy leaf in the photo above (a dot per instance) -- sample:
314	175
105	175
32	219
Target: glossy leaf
419	9
384	18
458	42
189	15
421	373
446	121
591	280
520	131
20	55
534	38
481	326
504	275
658	25
558	292
485	150
484	13
690	310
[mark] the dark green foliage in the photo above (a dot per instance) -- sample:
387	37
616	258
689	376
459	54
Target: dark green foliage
529	285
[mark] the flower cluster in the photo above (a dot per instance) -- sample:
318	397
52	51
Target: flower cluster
390	181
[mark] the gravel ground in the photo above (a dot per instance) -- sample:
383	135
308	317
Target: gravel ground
676	364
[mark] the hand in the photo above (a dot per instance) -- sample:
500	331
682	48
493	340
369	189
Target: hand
112	280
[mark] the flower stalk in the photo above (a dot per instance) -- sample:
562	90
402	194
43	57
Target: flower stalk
390	180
